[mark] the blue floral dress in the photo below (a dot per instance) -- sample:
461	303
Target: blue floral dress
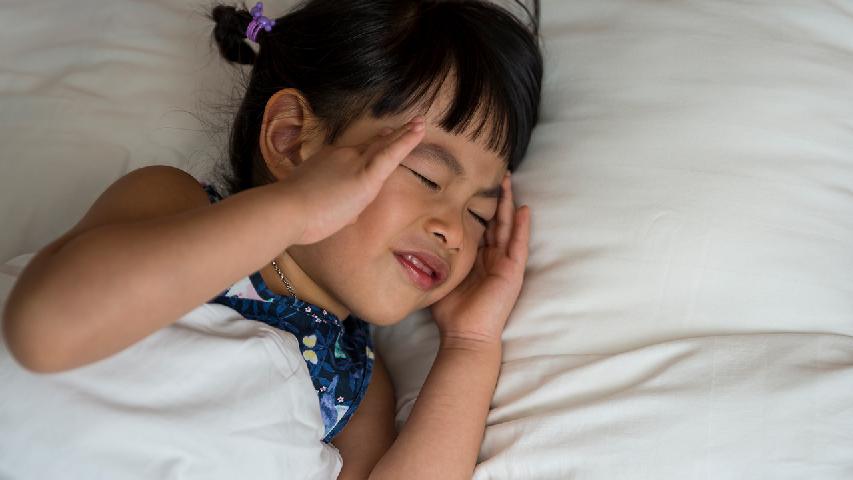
338	353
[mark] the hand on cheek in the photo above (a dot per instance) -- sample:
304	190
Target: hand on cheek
477	309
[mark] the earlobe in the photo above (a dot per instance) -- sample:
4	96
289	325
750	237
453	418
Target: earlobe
283	131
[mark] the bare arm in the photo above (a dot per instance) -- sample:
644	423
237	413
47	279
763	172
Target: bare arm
149	250
370	432
442	437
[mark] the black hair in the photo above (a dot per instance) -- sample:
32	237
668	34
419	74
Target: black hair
390	56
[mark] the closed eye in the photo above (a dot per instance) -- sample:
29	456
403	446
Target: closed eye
434	186
429	183
480	219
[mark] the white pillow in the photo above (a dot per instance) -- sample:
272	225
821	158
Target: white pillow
690	184
90	90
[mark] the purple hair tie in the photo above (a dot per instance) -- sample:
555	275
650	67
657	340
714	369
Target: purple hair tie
258	22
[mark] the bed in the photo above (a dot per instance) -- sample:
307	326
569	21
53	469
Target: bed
687	311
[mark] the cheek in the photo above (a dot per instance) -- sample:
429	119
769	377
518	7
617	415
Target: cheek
371	236
475	236
461	269
399	203
390	212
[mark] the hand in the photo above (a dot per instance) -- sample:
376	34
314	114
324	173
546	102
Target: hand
336	184
477	309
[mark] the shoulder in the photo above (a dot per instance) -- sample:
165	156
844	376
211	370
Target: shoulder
147	192
157	189
160	185
142	194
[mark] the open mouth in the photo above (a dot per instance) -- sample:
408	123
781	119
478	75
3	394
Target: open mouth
426	273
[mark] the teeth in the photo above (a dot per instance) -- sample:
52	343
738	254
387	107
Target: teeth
414	260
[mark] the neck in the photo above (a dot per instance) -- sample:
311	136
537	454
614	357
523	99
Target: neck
306	289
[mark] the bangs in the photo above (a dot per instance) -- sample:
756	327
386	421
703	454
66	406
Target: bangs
482	58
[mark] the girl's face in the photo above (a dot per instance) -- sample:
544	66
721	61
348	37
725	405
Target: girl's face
435	203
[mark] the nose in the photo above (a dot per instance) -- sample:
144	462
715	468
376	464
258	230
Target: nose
446	224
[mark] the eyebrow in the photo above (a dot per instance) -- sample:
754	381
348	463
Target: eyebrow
437	152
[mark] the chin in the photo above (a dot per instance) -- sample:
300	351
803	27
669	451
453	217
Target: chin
381	317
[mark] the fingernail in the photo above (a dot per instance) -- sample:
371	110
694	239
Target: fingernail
385	131
416	127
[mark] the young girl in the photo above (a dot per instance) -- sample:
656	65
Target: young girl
370	177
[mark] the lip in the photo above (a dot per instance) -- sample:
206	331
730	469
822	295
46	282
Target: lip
420	278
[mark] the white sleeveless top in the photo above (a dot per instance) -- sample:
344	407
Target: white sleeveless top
212	396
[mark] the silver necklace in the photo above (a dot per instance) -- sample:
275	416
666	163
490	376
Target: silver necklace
284	279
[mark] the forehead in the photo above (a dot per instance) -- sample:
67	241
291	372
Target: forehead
460	154
468	148
468	143
482	166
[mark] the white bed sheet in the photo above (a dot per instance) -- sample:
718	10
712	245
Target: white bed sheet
762	406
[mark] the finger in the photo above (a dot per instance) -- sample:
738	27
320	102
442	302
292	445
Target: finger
480	262
388	156
493	225
384	132
490	232
416	123
505	214
519	244
386	136
383	140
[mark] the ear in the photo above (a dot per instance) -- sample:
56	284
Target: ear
286	132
